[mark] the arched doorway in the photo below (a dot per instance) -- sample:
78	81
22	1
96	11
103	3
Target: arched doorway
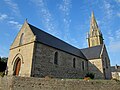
17	66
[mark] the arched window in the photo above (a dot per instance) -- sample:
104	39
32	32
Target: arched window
106	63
93	42
83	65
56	58
74	62
21	39
93	33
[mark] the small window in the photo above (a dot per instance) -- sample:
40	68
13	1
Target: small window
93	33
74	62
93	42
106	63
56	58
83	65
21	39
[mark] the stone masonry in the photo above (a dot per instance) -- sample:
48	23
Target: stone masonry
43	63
24	52
29	83
35	53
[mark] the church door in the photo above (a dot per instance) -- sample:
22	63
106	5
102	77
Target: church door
17	67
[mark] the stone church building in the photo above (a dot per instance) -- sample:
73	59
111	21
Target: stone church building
35	53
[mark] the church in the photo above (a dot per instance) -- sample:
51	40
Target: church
35	53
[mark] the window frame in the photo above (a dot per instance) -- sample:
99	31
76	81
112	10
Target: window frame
83	65
56	58
74	63
21	39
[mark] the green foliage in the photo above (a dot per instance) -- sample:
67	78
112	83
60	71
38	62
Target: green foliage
3	63
3	59
2	74
91	75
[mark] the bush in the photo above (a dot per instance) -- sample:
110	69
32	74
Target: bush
2	74
90	75
3	63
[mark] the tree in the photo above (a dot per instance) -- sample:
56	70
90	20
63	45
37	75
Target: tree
4	59
3	63
0	58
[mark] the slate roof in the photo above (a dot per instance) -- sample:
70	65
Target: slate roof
92	52
115	68
52	41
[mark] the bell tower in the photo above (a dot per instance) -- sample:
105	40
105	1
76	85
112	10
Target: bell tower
94	36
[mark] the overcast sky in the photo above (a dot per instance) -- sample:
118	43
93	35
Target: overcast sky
68	20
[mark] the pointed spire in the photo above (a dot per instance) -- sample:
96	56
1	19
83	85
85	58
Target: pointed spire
95	35
92	15
26	20
93	18
93	22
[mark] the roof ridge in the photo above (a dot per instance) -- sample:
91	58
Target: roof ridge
54	36
92	52
48	39
92	47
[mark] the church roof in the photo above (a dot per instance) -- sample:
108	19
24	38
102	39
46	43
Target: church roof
115	68
92	52
52	41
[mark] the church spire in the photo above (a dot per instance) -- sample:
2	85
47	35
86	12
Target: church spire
95	36
93	23
26	20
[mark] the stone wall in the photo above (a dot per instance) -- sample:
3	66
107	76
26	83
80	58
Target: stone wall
27	37
94	41
106	64
43	63
101	67
95	67
0	83
25	54
23	51
116	75
29	83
